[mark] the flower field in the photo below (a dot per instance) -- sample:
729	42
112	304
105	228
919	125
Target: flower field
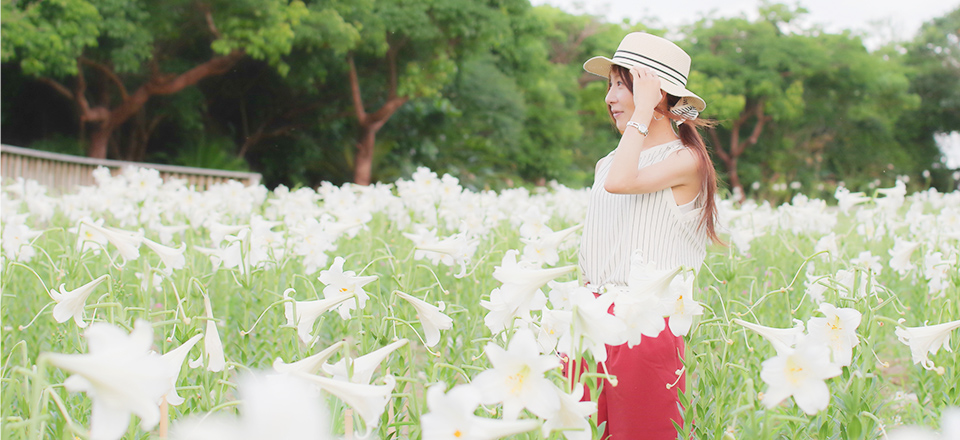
145	309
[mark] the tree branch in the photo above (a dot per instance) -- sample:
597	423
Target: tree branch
109	73
355	92
210	24
215	66
719	146
392	79
384	113
60	88
737	150
87	114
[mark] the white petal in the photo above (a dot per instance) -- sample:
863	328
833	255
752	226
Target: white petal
108	423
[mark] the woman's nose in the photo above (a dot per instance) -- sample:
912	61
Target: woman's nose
611	96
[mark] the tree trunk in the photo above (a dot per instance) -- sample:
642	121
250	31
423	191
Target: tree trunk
734	179
363	160
107	119
99	139
736	147
370	123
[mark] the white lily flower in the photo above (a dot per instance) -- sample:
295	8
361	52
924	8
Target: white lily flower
571	416
456	249
173	360
560	293
211	341
554	326
783	339
949	429
504	310
166	232
900	255
218	231
431	318
936	270
847	200
369	401
838	330
452	416
523	278
342	284
846	280
593	326
128	243
800	372
816	286
927	339
544	250
71	304
868	261
172	258
829	244
534	223
17	237
894	197
681	307
272	406
642	315
307	365
120	375
232	255
216	255
90	239
363	366
517	377
307	313
520	292
652	292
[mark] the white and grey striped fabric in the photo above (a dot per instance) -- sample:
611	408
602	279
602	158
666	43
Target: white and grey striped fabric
618	224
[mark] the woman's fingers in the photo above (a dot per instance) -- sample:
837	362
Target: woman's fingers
646	86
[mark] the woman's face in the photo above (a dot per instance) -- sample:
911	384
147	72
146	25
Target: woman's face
619	100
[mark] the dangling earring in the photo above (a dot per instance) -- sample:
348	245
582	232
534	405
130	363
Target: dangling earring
655	113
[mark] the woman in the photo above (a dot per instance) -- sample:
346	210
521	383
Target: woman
654	195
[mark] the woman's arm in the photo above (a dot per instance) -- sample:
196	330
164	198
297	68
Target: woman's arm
624	177
679	169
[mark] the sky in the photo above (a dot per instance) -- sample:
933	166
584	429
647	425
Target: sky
899	21
879	21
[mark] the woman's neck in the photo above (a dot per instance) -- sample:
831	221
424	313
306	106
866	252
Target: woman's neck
660	132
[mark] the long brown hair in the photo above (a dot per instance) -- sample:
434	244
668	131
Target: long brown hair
691	139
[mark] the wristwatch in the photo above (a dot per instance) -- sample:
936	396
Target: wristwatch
640	127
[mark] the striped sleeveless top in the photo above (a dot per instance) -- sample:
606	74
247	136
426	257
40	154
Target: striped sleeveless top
618	224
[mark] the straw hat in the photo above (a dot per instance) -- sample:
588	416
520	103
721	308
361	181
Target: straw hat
670	62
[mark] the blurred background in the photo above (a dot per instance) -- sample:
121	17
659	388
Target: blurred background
808	95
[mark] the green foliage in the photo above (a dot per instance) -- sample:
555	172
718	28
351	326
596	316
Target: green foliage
126	38
211	152
47	37
496	89
60	144
264	29
933	60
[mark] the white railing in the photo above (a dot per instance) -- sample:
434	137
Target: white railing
63	172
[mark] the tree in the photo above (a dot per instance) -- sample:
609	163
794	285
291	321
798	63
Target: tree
131	50
934	61
750	73
410	49
787	96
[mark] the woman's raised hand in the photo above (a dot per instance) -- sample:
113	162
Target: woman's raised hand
646	87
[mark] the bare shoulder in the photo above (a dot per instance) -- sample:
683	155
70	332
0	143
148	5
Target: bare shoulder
684	158
600	162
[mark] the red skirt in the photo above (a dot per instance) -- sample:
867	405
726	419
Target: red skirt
644	403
